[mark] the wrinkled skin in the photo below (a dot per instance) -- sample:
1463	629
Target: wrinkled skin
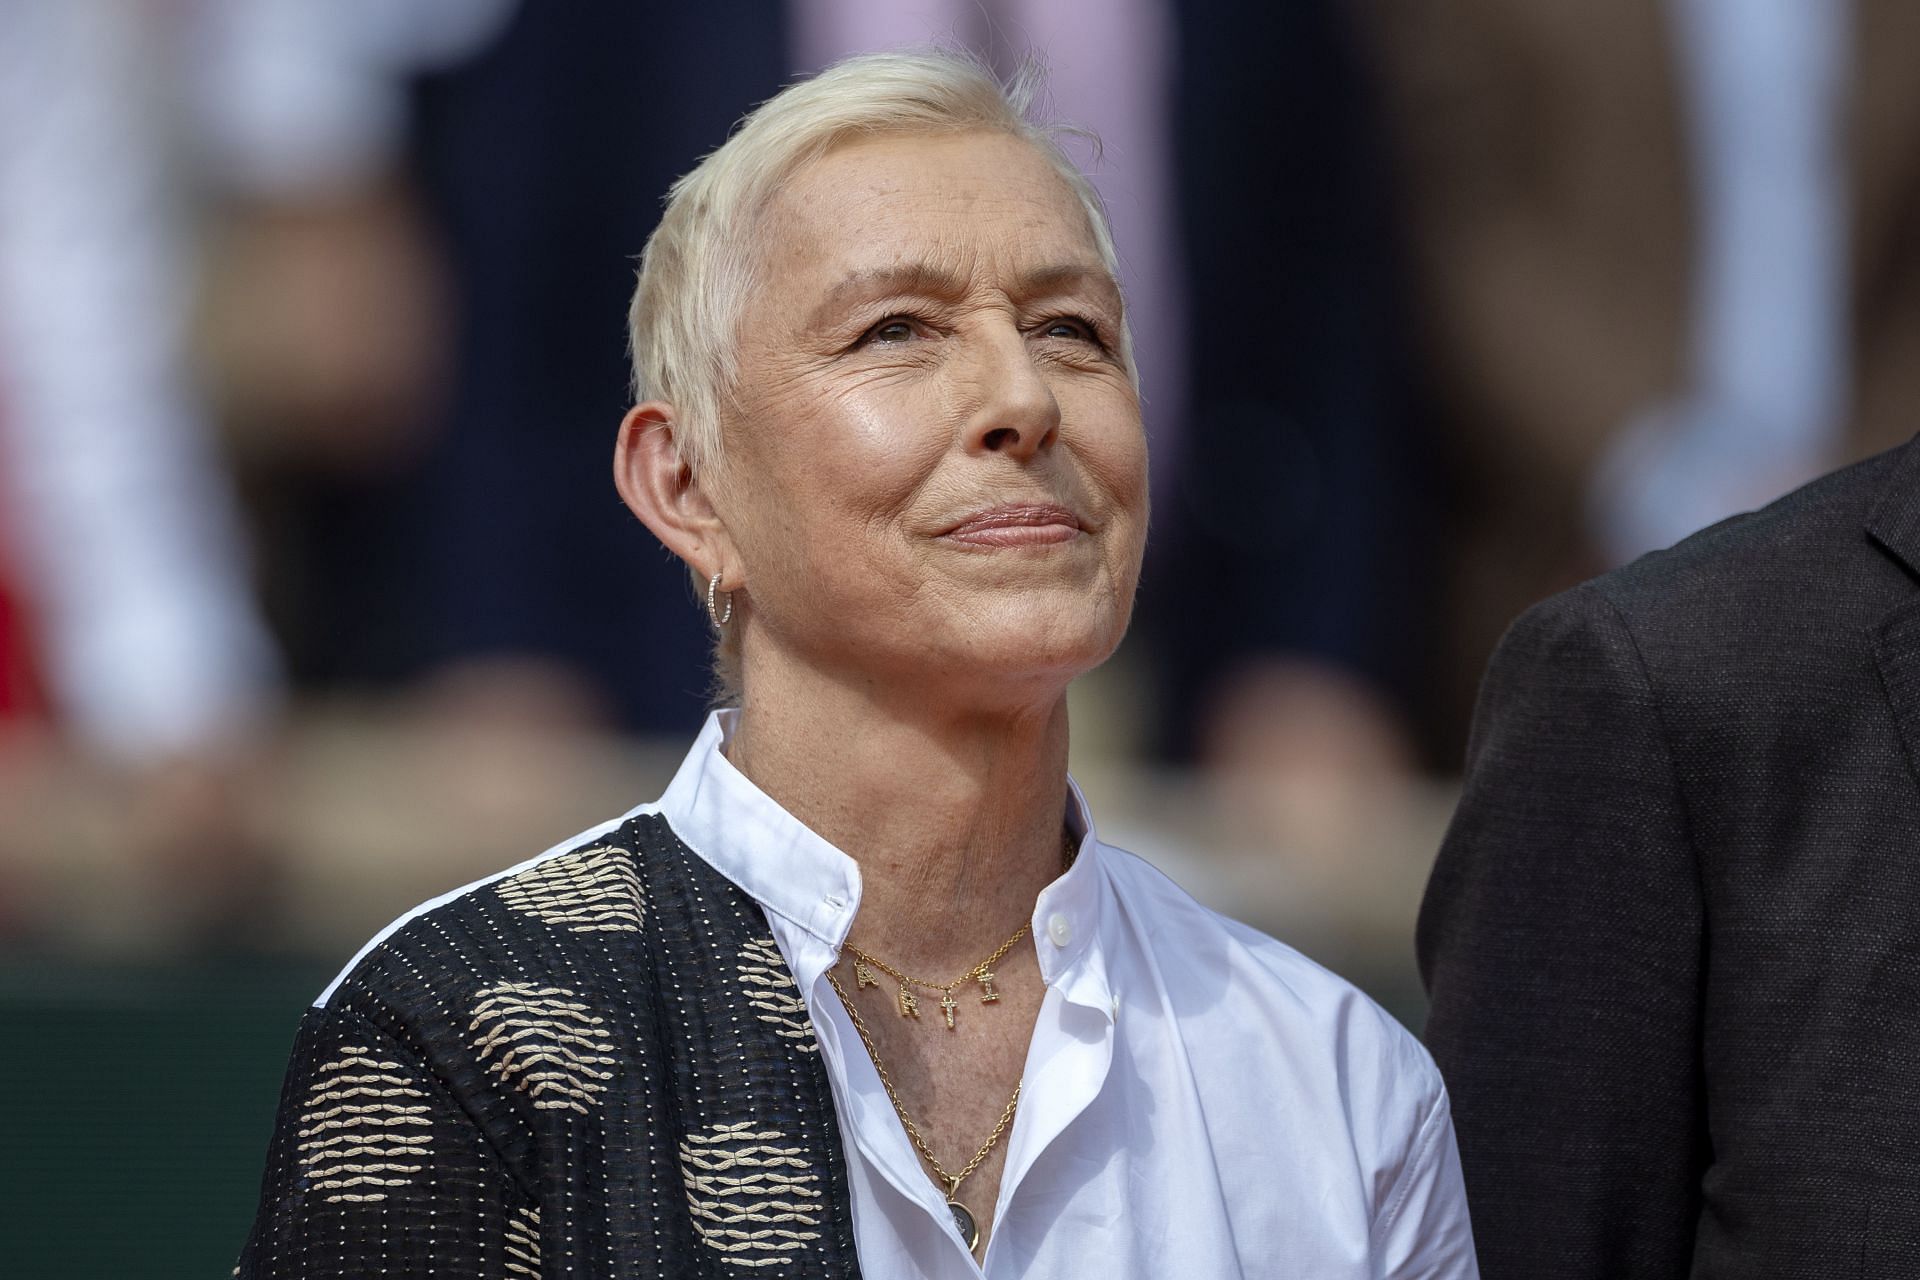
934	335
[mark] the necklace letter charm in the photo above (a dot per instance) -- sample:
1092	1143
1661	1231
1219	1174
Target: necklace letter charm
863	976
947	1005
987	994
909	1003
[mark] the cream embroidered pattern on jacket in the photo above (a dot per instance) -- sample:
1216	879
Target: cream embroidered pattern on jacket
543	1041
590	890
775	999
755	1201
364	1128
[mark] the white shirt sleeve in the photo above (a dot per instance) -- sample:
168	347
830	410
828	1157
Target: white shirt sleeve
1423	1229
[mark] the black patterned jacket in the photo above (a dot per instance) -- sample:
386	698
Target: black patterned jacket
595	1066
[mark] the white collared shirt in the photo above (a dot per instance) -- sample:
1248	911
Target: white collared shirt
1198	1101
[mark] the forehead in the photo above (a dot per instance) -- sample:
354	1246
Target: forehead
965	200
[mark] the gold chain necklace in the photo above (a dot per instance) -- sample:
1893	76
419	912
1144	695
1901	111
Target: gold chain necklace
909	1004
962	1216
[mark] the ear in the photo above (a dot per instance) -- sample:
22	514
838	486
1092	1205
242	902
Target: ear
663	491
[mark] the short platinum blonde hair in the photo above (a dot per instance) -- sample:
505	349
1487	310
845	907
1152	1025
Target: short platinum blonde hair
699	265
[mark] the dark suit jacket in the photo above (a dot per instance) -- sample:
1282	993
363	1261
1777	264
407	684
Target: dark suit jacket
1673	936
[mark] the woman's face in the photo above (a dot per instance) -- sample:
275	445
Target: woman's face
934	465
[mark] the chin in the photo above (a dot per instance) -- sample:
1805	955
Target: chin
1042	645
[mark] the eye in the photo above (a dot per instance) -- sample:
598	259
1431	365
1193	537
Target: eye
891	331
1073	329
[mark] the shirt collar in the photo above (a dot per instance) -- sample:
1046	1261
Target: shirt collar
798	875
746	836
1067	914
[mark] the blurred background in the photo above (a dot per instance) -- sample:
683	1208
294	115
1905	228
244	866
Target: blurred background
316	599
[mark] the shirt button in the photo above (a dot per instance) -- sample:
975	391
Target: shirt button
1060	929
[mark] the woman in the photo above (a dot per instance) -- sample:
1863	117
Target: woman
863	990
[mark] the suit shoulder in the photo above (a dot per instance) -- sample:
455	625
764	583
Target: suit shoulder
1810	546
1765	619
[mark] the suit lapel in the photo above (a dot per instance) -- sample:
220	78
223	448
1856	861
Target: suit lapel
1895	523
1895	528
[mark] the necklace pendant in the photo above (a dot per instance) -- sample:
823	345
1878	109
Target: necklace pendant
987	994
963	1219
909	1003
863	976
947	1005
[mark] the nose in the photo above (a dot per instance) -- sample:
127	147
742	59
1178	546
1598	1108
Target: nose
1013	406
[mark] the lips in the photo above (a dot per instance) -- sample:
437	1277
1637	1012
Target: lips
1017	525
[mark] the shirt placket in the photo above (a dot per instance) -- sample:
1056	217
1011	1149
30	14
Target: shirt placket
1067	1066
877	1133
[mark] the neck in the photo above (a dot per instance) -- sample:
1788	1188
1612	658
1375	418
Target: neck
954	818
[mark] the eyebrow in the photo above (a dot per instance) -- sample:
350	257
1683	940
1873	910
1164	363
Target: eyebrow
1070	276
928	280
906	277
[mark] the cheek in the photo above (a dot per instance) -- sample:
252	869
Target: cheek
1114	452
822	494
1115	460
866	457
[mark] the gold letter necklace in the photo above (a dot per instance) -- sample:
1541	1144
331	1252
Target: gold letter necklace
908	1003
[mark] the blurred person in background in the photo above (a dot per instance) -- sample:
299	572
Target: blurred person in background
1287	597
1664	270
210	220
457	539
128	620
1669	935
895	433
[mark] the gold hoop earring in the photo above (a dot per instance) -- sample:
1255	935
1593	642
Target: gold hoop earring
719	620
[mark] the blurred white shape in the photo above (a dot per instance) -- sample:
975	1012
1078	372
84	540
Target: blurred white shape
1763	83
292	96
119	517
